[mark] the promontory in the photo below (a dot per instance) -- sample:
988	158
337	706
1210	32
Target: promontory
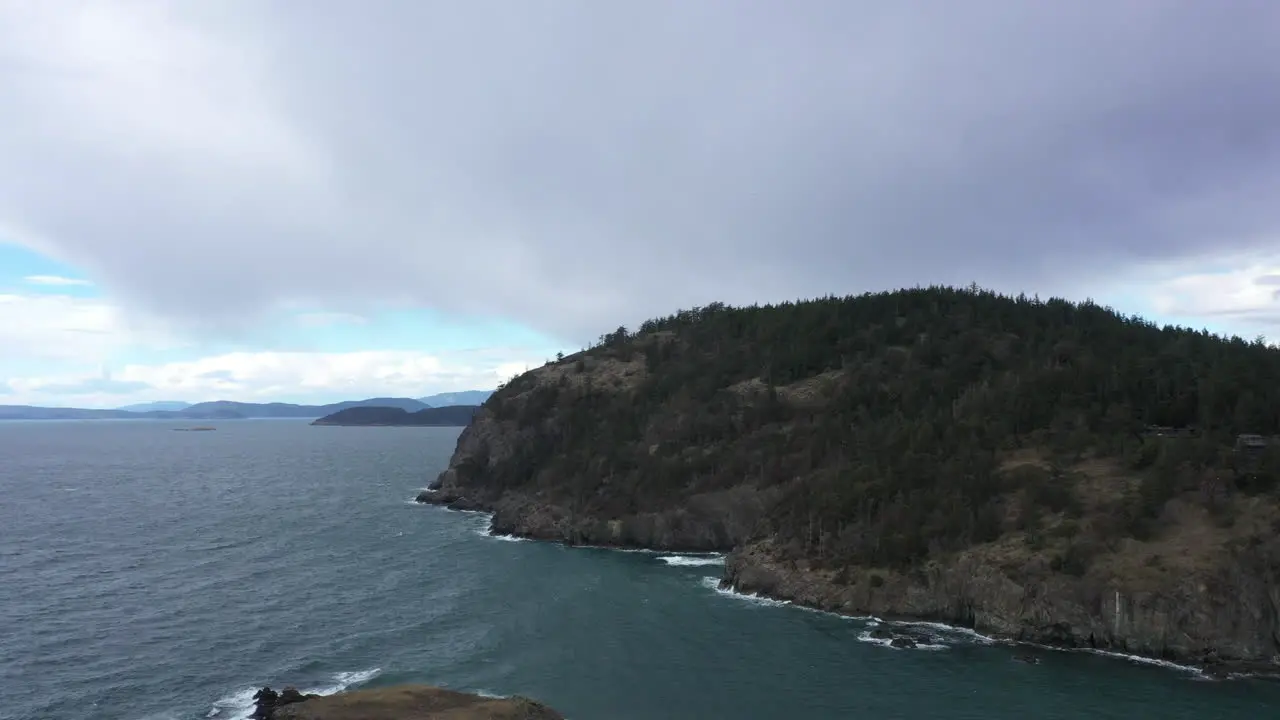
1038	470
402	702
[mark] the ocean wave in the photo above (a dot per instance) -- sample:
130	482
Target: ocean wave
238	705
1156	662
505	538
713	583
489	694
944	629
691	560
866	636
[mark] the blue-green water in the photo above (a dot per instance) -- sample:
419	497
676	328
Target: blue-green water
149	574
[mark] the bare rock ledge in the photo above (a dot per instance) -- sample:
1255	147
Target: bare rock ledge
412	702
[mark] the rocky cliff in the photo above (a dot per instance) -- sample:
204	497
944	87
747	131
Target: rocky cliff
1039	471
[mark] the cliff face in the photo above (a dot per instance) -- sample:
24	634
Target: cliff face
1224	618
705	521
938	454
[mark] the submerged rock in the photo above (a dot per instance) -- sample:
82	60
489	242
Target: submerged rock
412	702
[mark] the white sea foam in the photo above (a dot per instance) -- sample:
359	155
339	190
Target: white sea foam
867	637
504	538
691	560
239	704
1149	661
943	628
713	583
489	694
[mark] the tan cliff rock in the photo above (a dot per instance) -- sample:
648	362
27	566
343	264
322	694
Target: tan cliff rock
1225	619
413	702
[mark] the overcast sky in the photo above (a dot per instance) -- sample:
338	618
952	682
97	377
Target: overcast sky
531	174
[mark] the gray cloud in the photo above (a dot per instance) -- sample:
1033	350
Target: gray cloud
579	164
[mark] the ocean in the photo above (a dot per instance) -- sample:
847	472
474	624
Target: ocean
147	574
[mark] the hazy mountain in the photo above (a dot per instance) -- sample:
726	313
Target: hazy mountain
32	412
170	405
290	410
464	397
217	410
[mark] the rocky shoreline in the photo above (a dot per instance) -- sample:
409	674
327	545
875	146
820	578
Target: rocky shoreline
975	597
1046	610
402	702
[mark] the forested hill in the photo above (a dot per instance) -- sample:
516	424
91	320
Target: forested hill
891	431
450	416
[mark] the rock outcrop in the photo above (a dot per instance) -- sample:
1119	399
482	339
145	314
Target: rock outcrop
1211	620
702	522
267	702
411	702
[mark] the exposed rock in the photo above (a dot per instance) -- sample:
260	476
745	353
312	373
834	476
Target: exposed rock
267	702
706	522
1202	620
413	702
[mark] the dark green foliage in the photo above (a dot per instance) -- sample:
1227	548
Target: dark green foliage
448	416
1077	558
882	418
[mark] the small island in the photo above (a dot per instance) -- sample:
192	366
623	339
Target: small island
404	702
371	416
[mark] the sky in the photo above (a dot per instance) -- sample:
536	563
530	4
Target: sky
317	200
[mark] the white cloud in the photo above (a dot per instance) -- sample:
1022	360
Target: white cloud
280	376
1245	290
326	319
56	280
60	327
67	351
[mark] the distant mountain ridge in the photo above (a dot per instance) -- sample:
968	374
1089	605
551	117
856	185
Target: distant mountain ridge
163	405
216	410
462	397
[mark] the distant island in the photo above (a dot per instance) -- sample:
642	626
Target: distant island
161	405
230	410
452	416
463	397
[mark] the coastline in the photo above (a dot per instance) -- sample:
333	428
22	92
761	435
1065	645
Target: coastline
813	591
317	423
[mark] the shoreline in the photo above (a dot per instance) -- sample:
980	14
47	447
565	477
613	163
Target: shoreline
1226	670
317	423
